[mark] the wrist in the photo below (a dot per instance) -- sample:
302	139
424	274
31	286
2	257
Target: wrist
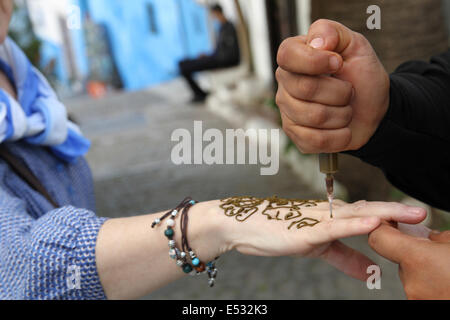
206	232
368	129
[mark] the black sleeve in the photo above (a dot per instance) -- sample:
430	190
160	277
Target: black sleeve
412	143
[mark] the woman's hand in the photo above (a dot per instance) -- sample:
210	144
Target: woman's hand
132	258
288	227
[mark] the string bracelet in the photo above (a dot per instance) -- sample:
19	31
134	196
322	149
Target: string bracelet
182	257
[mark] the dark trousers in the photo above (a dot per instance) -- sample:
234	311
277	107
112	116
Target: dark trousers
189	66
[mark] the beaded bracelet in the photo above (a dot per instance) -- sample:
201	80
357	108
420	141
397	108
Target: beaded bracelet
197	267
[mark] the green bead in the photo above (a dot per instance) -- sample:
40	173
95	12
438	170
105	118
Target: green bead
187	268
168	233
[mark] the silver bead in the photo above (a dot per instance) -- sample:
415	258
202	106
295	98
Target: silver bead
183	254
170	223
193	273
211	282
180	263
171	243
174	213
192	254
172	254
157	221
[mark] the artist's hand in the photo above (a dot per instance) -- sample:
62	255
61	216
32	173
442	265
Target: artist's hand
268	233
423	262
322	113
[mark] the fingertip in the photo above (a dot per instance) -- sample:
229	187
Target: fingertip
323	29
413	215
417	212
317	43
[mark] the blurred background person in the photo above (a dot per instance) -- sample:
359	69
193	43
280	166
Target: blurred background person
225	55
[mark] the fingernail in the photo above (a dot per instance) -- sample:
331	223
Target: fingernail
435	232
316	43
369	220
334	63
416	211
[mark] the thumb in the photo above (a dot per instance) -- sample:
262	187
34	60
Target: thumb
332	36
437	236
391	243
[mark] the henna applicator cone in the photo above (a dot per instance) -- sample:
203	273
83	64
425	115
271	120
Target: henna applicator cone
328	165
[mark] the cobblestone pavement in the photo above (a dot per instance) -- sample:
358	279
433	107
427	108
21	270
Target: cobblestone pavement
130	159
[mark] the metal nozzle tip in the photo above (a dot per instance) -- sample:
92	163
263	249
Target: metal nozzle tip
329	180
331	209
330	189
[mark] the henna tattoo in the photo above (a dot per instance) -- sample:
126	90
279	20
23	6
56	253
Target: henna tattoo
242	208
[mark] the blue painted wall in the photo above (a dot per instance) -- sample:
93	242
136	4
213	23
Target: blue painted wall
194	25
146	52
51	50
78	43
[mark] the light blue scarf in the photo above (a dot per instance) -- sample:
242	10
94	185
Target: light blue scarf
37	116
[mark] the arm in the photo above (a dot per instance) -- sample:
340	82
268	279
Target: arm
398	123
39	256
70	253
412	143
132	258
